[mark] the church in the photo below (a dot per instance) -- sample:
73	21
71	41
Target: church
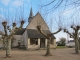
30	37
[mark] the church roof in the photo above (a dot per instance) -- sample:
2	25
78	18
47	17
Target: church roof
31	13
20	32
37	19
33	33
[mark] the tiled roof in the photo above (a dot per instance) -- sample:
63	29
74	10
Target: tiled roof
33	33
20	32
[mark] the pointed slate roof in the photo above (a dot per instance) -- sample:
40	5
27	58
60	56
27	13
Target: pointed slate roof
30	16
31	13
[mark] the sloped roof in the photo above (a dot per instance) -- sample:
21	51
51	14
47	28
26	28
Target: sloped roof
20	32
34	33
37	19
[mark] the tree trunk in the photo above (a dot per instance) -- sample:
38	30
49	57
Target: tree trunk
76	46
76	43
11	44
8	48
8	40
4	44
48	48
79	43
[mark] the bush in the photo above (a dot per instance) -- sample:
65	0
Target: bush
61	42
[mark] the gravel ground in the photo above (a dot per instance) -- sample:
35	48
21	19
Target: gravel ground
57	54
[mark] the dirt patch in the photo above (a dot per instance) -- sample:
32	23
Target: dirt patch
57	54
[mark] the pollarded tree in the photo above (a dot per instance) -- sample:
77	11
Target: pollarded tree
75	36
48	36
8	37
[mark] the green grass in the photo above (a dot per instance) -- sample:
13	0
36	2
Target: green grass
61	47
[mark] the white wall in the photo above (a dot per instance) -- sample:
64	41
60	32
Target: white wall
25	39
16	40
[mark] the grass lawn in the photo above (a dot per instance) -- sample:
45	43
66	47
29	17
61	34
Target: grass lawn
61	47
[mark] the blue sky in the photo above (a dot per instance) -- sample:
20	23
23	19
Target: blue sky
14	10
17	6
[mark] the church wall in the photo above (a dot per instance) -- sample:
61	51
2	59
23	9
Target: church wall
17	38
37	20
25	39
54	45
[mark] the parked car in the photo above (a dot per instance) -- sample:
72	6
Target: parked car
70	43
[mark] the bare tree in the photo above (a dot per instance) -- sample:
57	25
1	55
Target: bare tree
9	37
65	4
75	36
79	43
48	36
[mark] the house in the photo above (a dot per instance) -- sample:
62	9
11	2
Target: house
30	37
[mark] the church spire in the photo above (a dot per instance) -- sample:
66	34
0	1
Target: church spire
30	16
31	13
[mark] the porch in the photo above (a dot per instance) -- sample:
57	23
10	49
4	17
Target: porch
39	43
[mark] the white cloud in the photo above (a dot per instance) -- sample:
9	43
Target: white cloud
68	12
14	2
5	2
18	2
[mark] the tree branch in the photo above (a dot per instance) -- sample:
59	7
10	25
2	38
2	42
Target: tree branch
39	29
50	3
57	31
68	33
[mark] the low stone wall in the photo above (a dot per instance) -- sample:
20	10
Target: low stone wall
53	46
33	47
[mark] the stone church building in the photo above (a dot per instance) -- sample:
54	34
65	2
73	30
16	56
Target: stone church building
30	37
